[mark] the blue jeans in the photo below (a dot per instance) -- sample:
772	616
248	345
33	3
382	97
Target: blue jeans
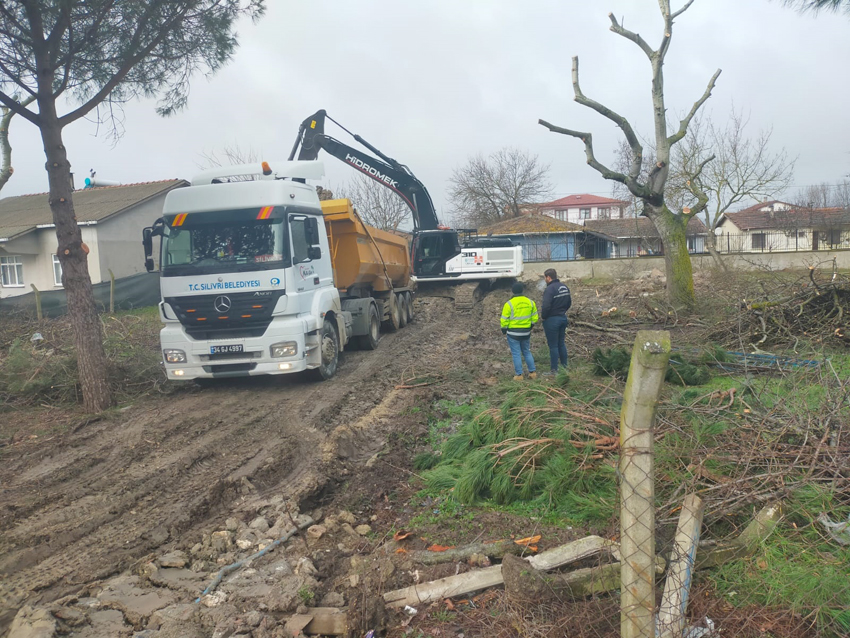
555	328
521	348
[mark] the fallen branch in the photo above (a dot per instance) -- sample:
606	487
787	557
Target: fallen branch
492	550
492	576
526	584
600	328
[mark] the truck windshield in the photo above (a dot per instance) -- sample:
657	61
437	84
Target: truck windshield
225	241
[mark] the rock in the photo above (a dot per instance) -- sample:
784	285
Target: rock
346	517
278	569
285	597
333	599
253	618
232	524
182	613
354	580
305	567
33	623
243	543
220	541
196	549
109	622
70	616
363	530
261	545
136	603
176	559
260	524
302	519
214	599
316	531
148	571
348	529
248	535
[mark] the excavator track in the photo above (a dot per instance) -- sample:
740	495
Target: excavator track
467	295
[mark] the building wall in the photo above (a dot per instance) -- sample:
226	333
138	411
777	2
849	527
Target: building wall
114	244
120	239
573	213
624	269
733	239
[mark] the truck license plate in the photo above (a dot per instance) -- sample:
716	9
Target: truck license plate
225	349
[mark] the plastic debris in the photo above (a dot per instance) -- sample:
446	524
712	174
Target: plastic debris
36	337
411	610
840	531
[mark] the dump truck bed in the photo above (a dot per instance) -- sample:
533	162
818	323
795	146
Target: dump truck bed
364	256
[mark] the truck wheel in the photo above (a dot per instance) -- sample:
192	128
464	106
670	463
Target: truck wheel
409	299
329	345
369	341
393	322
402	309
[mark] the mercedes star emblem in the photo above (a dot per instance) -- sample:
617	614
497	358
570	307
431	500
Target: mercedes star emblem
222	304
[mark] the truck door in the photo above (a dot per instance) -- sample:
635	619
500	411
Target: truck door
310	266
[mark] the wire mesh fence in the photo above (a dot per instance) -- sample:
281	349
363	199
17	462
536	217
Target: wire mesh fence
572	246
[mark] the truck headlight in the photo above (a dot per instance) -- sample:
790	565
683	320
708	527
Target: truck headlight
174	356
284	349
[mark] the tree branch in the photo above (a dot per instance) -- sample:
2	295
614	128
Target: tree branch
630	35
587	138
683	124
682	10
619	120
694	185
16	107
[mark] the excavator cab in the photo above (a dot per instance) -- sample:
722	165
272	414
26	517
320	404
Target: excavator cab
431	250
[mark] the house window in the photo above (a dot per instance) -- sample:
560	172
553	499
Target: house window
561	214
12	272
604	213
584	213
57	271
759	241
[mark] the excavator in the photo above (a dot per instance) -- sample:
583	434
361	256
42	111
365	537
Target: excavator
438	253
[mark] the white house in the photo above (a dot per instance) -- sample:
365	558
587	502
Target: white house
578	209
780	227
111	220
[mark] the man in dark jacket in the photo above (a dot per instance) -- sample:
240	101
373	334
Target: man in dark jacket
556	302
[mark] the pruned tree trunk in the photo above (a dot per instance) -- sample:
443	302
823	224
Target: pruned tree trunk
73	257
711	246
677	259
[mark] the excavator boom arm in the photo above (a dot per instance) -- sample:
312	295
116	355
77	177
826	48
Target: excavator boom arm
386	171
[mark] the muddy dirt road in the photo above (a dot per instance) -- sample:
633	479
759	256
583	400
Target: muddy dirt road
86	504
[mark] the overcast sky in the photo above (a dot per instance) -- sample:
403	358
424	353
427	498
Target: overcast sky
432	83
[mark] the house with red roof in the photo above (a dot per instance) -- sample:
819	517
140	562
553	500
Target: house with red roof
580	208
776	226
111	220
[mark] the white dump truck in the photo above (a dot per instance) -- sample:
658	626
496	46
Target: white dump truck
260	277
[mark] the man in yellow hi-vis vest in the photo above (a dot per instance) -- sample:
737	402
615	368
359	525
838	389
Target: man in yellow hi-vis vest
518	315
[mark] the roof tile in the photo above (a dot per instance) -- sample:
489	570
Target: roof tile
21	214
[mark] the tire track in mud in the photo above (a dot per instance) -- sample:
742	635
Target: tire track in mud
95	500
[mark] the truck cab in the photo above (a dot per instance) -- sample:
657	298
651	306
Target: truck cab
247	279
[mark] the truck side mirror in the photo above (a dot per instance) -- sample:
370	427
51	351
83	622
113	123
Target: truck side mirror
314	252
149	265
312	231
147	243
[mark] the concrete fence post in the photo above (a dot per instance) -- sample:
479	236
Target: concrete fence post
38	312
650	356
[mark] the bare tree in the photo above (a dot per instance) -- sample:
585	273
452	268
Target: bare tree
376	204
91	56
230	156
6	168
743	169
650	190
488	189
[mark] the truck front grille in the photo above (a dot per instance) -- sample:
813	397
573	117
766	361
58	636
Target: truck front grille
231	316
